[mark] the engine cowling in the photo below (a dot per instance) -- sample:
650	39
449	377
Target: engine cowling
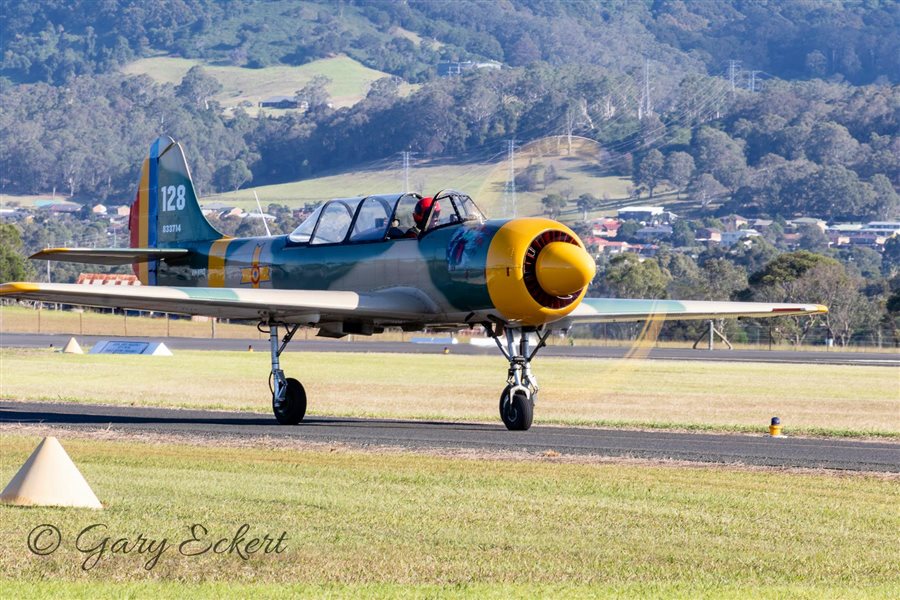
537	271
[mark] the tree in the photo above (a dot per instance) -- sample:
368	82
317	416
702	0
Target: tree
553	204
650	170
586	203
315	93
233	175
787	279
705	189
682	234
831	144
198	87
829	283
716	153
887	201
13	266
630	277
679	169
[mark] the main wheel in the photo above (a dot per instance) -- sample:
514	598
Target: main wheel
517	411
293	409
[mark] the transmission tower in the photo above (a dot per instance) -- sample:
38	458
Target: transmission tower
406	154
509	191
751	81
734	67
646	99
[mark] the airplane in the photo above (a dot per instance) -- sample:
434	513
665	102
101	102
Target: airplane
360	265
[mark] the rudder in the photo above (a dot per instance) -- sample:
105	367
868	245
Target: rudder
166	213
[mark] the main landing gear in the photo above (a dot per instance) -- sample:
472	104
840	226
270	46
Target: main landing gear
288	396
519	395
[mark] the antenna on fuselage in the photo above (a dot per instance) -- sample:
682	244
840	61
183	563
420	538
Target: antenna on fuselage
261	215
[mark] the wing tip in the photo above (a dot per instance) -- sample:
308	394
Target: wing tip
17	287
821	309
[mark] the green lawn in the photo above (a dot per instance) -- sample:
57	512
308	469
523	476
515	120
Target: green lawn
820	399
418	526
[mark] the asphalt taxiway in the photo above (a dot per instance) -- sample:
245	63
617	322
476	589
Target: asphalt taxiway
828	453
883	359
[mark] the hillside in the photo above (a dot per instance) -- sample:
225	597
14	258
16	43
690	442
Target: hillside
577	173
350	80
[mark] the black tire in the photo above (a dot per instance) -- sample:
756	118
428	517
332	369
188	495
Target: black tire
518	412
293	409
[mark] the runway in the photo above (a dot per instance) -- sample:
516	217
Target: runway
883	359
429	435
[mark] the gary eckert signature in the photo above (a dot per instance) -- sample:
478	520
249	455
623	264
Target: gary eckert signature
95	543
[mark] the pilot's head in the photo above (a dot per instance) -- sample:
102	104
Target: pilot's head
423	207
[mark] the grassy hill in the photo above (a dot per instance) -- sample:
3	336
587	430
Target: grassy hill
350	80
578	170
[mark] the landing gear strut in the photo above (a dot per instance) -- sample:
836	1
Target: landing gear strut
288	396
519	395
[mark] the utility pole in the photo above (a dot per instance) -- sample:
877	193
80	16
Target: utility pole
509	191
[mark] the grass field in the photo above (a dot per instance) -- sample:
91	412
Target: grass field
483	180
350	80
820	399
385	525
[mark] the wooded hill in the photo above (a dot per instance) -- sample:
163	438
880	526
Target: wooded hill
779	108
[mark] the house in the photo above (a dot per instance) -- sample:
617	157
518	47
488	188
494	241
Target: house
605	227
281	102
123	210
657	232
454	68
642	214
233	211
839	234
761	224
610	248
888	229
734	222
62	208
98	209
730	238
708	234
807	221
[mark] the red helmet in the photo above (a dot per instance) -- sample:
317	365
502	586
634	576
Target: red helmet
423	206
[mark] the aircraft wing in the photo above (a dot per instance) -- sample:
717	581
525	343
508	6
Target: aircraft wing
289	306
107	256
611	310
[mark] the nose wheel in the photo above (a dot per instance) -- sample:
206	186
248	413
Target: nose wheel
516	408
520	393
288	395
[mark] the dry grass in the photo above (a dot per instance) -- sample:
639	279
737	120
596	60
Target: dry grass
846	400
412	525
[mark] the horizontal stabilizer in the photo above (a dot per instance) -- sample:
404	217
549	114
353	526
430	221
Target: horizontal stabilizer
108	256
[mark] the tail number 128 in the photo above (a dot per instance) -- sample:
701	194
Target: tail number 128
172	197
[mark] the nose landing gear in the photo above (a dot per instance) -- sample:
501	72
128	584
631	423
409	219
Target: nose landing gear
288	395
519	395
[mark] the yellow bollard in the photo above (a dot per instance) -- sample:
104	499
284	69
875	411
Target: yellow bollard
775	427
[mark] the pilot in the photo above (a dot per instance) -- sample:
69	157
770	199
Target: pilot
420	214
